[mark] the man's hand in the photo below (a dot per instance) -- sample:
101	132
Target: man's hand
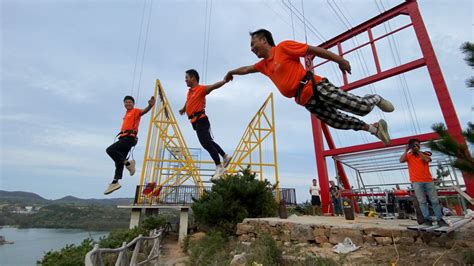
152	101
345	66
228	77
181	111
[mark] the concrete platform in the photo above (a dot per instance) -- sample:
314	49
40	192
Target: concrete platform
139	212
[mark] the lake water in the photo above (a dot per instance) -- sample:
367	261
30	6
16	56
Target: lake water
31	244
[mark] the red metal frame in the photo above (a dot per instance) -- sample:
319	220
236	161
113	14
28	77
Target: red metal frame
409	8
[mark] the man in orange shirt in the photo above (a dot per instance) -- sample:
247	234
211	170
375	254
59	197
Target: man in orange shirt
127	139
281	63
420	176
194	109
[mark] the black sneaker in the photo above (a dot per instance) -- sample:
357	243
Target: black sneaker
428	223
442	223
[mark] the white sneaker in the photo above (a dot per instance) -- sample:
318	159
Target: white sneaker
112	187
220	170
385	106
227	160
382	132
131	167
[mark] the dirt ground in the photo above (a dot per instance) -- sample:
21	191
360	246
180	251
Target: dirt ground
171	253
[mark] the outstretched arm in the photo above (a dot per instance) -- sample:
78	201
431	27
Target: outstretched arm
326	54
214	86
239	71
151	103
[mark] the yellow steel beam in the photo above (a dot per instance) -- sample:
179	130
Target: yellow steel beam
169	162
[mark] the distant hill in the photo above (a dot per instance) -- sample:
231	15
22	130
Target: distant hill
23	197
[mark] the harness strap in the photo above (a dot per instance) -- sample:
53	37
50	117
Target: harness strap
127	132
197	114
308	77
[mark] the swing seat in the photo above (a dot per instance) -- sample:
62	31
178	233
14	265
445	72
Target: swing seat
157	191
149	189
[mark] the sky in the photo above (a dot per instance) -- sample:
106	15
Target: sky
66	66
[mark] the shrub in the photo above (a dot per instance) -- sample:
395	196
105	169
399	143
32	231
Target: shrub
232	199
75	255
265	251
213	249
468	256
69	255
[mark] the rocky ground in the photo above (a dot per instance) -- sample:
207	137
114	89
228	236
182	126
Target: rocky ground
430	250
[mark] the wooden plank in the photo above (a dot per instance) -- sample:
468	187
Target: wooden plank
429	228
417	227
464	194
456	225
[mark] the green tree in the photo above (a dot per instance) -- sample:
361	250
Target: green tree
233	199
468	50
447	144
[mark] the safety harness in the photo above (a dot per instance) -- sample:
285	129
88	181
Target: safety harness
308	77
127	133
196	114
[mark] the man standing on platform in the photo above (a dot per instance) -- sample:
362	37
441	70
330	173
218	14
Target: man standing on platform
336	198
420	176
315	199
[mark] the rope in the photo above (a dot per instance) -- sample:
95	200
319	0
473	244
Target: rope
144	48
401	78
204	37
280	16
207	36
208	40
436	261
138	48
304	22
360	57
396	250
292	25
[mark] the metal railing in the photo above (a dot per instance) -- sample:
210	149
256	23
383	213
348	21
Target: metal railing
184	194
94	257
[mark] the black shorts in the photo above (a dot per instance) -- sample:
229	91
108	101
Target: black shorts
315	201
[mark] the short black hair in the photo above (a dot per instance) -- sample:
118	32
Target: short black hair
263	33
193	73
128	97
314	179
412	141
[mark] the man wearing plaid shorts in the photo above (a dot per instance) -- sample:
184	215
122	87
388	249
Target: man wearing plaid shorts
281	63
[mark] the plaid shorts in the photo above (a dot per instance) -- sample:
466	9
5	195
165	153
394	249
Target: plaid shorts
328	102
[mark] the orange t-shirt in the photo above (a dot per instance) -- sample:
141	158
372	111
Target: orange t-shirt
196	101
284	68
418	169
400	192
131	121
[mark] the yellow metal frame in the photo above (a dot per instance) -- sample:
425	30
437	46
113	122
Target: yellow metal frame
165	139
249	151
